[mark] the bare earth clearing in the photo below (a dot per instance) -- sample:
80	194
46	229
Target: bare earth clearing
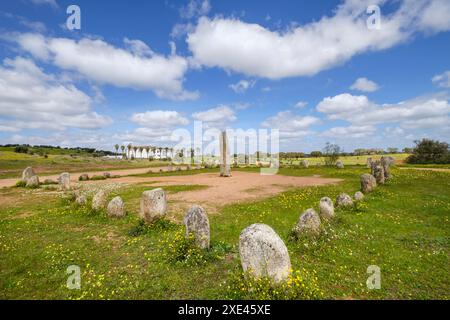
241	187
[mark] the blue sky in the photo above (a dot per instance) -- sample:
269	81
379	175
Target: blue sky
138	70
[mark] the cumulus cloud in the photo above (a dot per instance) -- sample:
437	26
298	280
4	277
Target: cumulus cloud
354	132
442	80
51	3
217	117
159	119
290	124
422	112
32	99
134	67
301	104
305	50
195	8
364	85
242	86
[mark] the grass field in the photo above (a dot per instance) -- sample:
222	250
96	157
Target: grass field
350	160
402	227
12	164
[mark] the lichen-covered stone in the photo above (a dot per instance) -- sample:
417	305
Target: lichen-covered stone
153	205
368	183
304	163
81	200
359	196
27	174
197	223
378	173
339	164
99	200
308	223
116	208
344	200
263	253
64	181
326	208
32	182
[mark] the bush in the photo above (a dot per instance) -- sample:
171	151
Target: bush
21	184
429	151
331	154
300	285
21	149
98	178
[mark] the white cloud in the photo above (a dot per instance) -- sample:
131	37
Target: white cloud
422	112
305	50
442	80
242	86
103	63
354	132
159	119
290	124
364	85
301	104
51	3
217	117
195	8
30	98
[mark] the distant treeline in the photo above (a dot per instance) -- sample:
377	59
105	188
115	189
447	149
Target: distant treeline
356	152
44	150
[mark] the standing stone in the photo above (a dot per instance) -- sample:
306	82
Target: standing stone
344	200
225	170
263	253
308	223
368	183
378	172
197	224
326	208
359	196
369	163
99	200
304	163
27	174
32	182
386	163
339	164
153	205
64	181
81	200
116	208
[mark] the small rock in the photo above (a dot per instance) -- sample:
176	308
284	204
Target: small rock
263	253
197	223
153	205
27	174
359	196
81	200
344	200
308	223
326	208
107	175
116	208
339	164
83	177
304	163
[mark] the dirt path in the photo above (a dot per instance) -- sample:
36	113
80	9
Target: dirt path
241	187
429	169
74	175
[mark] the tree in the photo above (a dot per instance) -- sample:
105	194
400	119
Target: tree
331	153
122	147
430	151
147	149
129	147
392	150
116	146
408	150
316	154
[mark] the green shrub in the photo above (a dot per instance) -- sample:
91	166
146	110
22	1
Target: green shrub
142	228
21	184
430	152
98	178
300	285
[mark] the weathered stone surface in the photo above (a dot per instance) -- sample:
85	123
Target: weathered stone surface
369	163
153	205
359	196
344	200
263	253
339	164
64	181
99	200
81	200
368	183
326	208
107	175
33	182
225	160
308	223
27	174
83	177
386	162
197	224
378	172
304	163
116	208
